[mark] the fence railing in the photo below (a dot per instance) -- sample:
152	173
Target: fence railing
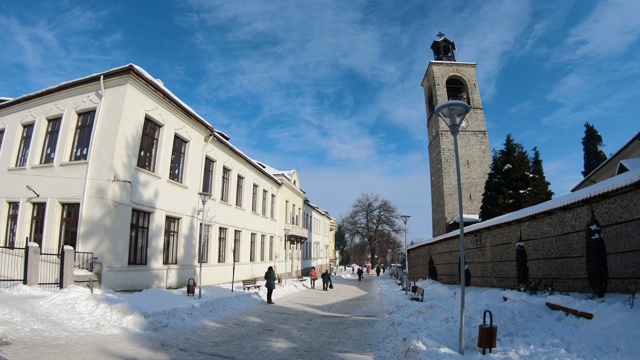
12	265
84	260
50	274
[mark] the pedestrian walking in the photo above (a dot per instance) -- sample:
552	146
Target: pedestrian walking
326	280
313	274
360	272
378	270
270	276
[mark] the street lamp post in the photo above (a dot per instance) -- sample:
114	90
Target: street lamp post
286	234
204	197
405	219
452	113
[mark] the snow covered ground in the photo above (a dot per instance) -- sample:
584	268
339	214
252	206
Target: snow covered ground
527	329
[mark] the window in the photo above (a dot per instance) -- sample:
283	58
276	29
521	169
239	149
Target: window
207	177
264	202
148	145
457	90
236	246
82	136
177	159
1	137
12	225
263	238
270	248
171	229
25	143
239	190
222	245
224	195
254	199
69	225
252	254
203	252
50	141
273	205
138	237
37	223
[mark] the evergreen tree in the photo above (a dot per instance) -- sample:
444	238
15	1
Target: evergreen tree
342	245
515	181
591	144
540	187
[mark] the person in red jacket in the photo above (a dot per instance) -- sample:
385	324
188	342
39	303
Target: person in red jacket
314	275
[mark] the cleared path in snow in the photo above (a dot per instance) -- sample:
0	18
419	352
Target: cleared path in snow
313	324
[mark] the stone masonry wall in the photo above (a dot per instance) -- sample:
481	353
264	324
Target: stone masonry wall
555	245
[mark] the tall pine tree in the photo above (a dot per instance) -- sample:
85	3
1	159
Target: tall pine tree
540	187
515	181
591	144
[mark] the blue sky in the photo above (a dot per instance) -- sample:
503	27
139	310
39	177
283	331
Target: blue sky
332	88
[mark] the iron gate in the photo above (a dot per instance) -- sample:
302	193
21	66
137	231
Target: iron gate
51	265
12	265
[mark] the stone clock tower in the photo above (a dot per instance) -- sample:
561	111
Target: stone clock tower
447	79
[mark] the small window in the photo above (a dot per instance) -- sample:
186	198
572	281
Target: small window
82	136
50	141
203	252
254	198
263	239
178	154
148	145
69	225
239	190
265	193
222	245
12	225
236	245
25	143
207	177
252	253
138	237
37	223
171	230
226	174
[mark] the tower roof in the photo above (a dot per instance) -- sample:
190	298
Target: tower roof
443	49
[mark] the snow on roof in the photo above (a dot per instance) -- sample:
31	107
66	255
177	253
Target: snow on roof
467	218
612	184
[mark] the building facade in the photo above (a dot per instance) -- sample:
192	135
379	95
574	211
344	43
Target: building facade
113	164
446	79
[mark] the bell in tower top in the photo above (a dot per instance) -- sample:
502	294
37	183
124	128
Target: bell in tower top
443	49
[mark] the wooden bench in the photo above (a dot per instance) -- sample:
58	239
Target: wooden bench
250	283
419	294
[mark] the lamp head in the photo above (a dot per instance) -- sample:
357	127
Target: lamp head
452	112
405	218
204	197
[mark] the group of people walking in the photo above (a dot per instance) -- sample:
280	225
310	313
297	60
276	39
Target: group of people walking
326	279
271	278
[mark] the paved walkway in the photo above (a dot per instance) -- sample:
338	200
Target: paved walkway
312	324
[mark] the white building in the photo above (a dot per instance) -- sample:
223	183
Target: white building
113	164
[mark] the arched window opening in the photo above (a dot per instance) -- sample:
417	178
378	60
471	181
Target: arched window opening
430	103
457	90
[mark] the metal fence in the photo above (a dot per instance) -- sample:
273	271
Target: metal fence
12	266
84	260
51	265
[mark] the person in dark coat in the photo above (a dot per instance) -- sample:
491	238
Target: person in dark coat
378	270
326	280
270	276
360	272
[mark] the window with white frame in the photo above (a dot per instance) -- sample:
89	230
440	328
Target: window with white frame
37	223
264	202
178	157
207	177
226	176
69	225
203	252
236	245
171	231
239	190
12	224
254	198
138	237
252	251
222	245
25	144
148	145
263	239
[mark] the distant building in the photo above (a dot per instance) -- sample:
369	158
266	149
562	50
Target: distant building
113	163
